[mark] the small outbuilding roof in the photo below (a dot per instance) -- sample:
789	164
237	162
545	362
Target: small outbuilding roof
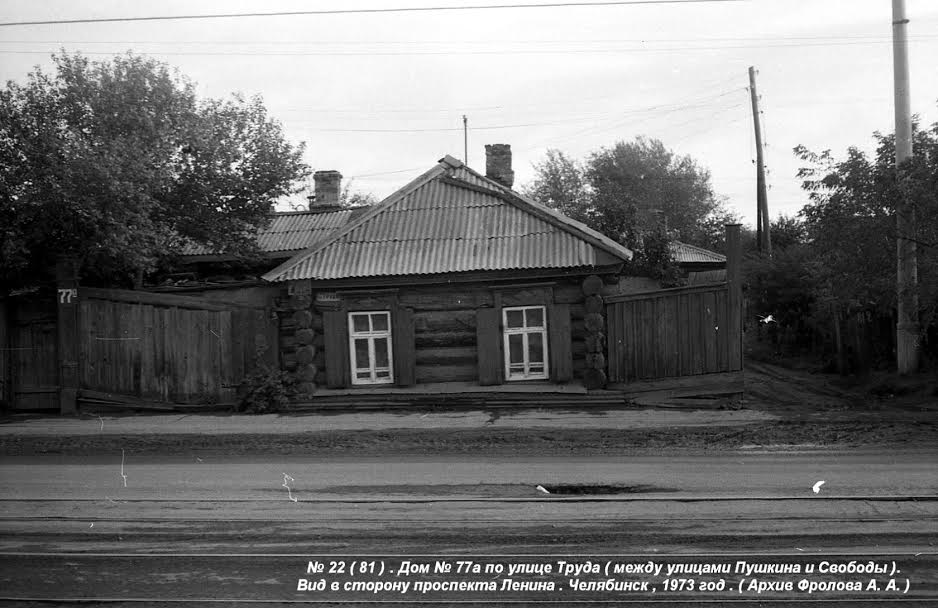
289	232
452	219
691	254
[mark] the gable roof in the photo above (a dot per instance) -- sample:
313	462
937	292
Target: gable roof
288	232
451	219
691	254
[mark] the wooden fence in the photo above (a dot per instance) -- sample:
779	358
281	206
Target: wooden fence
684	331
128	347
168	348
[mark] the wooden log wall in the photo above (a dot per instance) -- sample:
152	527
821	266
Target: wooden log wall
445	324
445	331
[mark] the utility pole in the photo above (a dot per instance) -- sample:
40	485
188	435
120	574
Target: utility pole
763	235
465	139
907	330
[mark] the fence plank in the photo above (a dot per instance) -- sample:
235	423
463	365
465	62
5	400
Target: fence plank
612	347
684	342
722	331
668	309
708	333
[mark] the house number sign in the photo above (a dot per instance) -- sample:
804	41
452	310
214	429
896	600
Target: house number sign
67	295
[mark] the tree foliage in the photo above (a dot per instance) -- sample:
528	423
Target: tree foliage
851	221
114	164
561	184
837	260
631	188
635	182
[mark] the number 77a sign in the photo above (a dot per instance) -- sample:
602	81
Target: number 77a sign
67	295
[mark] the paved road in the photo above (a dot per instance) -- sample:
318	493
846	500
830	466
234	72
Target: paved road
877	473
229	529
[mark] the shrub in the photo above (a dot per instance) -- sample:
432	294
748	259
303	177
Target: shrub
265	390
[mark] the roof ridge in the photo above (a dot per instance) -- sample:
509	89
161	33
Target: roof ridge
371	212
451	238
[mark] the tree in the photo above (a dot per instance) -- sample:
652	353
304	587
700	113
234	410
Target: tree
837	260
787	231
349	198
114	164
561	184
630	189
851	226
637	184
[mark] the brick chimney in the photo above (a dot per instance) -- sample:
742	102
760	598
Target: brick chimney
328	189
498	164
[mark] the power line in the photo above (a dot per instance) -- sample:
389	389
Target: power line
360	11
364	175
684	104
454	52
554	41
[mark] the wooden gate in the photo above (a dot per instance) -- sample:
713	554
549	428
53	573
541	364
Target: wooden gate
28	360
673	332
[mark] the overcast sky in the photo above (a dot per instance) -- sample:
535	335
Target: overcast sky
380	97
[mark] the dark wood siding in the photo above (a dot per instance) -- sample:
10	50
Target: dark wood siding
402	339
335	338
561	353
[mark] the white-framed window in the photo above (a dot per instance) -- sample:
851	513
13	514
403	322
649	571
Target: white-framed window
370	347
525	334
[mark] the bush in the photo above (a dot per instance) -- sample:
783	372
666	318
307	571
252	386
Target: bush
264	391
654	259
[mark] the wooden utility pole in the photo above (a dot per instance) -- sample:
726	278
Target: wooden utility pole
465	139
763	234
907	330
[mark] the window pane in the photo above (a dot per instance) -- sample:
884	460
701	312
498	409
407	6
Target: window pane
379	322
359	323
536	370
381	352
536	347
534	317
363	375
515	349
361	354
382	374
514	318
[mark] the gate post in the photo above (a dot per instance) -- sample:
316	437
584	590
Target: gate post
734	300
67	327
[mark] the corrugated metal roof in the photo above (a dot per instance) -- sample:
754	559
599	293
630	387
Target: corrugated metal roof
450	219
691	254
291	231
